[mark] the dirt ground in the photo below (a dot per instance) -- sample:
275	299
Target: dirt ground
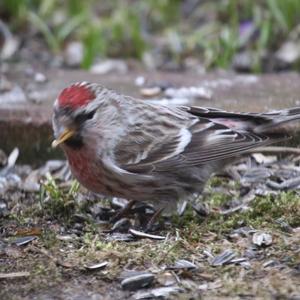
53	240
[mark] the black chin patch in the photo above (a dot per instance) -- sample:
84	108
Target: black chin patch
75	142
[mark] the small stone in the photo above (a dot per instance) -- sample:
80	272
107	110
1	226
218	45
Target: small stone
66	238
150	91
192	92
158	293
262	239
109	66
118	202
140	81
263	159
243	61
166	279
14	275
40	78
137	282
73	54
289	52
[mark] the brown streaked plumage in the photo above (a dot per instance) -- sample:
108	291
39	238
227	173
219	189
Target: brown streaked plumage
120	146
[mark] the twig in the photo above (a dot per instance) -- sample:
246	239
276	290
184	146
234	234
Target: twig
14	275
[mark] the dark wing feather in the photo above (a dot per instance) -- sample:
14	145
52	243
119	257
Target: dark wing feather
210	141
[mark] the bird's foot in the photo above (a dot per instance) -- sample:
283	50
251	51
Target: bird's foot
123	212
146	216
153	219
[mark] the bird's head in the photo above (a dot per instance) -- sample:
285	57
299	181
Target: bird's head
74	111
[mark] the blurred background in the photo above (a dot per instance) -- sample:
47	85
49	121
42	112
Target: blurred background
142	49
246	36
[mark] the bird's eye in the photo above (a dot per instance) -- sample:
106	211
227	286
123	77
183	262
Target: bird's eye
84	116
90	115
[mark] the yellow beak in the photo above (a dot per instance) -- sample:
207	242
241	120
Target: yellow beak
67	133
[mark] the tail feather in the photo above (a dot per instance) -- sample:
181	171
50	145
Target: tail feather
273	121
278	120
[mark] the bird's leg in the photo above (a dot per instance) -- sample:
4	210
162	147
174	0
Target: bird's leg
153	219
124	211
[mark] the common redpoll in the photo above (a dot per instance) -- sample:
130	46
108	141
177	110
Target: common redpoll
120	146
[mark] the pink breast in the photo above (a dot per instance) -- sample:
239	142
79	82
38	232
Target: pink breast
86	170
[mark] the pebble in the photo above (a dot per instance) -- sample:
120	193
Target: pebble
109	66
289	52
262	239
189	92
73	54
166	279
140	81
137	282
150	91
118	202
40	78
158	293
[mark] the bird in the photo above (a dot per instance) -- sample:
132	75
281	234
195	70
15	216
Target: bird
120	146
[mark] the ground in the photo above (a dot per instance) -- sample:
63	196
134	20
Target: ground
68	239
